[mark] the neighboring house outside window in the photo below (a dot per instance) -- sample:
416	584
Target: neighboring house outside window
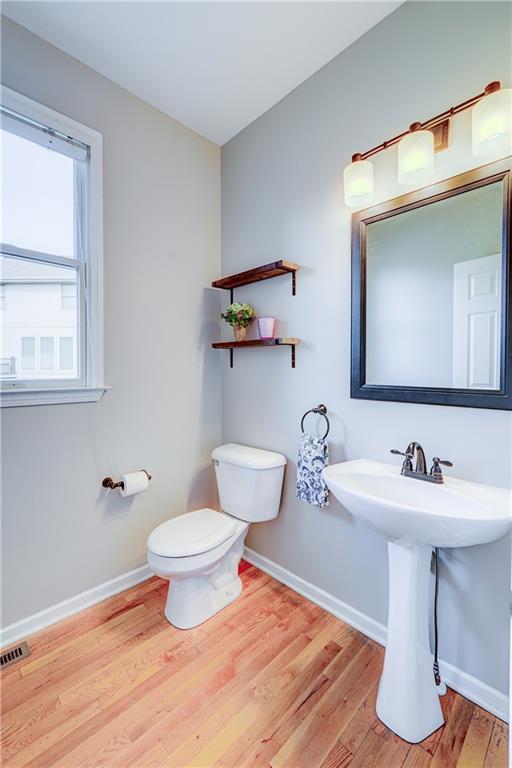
51	257
68	295
34	310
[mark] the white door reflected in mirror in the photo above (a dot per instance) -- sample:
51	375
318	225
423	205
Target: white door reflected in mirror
476	323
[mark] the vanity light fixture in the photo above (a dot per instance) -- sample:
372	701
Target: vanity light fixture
416	155
491	135
358	182
492	122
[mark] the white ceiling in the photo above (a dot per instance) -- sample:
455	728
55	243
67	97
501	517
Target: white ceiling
214	66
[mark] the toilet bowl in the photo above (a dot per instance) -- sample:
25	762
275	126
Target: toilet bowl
203	582
199	552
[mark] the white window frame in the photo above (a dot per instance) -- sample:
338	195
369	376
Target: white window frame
91	387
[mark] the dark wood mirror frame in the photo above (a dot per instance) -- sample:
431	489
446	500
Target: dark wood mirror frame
473	398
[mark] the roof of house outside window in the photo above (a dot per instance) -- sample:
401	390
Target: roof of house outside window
24	271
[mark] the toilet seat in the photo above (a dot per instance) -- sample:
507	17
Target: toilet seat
193	533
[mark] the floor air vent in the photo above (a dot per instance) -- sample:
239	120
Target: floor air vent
14	654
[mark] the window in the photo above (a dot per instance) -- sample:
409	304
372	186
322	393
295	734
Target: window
51	256
46	355
28	353
66	353
68	296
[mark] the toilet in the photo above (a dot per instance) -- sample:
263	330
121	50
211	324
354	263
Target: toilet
199	551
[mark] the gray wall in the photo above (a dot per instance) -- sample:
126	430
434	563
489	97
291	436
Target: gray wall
282	198
62	533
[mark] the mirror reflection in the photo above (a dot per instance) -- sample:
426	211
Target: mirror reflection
433	293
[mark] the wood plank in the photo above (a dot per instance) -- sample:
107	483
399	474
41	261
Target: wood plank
368	753
280	341
453	736
102	737
39	735
315	737
280	729
477	740
78	646
132	668
272	740
256	274
23	702
153	713
357	728
234	677
338	757
38	687
273	696
174	728
247	699
156	757
497	752
417	757
24	731
393	752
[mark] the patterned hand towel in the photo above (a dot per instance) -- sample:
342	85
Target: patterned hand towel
313	457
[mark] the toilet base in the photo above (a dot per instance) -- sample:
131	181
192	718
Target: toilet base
190	604
192	600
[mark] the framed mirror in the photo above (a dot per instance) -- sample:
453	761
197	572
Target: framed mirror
431	291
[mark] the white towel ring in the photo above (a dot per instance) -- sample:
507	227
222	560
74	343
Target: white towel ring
322	411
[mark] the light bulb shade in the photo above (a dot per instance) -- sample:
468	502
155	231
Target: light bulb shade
492	124
416	157
358	183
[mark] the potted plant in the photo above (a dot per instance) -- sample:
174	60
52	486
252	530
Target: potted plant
239	316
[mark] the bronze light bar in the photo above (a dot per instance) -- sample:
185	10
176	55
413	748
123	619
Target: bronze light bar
430	124
491	135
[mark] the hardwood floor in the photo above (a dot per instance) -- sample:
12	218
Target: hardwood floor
272	680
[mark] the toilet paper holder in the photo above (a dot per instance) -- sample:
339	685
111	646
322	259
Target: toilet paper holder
108	482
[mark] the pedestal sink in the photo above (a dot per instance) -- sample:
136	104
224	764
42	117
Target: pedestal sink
415	516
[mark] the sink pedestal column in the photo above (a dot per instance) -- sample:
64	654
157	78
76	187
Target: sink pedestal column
407	701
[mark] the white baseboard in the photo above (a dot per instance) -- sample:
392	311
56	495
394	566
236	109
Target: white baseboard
22	629
470	687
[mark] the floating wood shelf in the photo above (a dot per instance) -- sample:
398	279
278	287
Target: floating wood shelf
274	269
278	342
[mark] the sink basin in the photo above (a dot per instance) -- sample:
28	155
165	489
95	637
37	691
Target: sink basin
456	513
414	516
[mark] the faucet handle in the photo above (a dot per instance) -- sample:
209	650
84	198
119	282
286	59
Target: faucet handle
407	462
436	471
437	461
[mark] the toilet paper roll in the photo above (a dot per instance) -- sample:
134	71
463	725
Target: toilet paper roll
134	482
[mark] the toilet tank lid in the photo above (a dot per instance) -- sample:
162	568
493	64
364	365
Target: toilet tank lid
250	458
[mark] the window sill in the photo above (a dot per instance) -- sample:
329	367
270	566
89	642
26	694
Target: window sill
14	398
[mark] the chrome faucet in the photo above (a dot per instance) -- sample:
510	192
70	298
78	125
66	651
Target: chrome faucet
420	472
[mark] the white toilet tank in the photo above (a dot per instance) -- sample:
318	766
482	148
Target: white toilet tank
249	481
